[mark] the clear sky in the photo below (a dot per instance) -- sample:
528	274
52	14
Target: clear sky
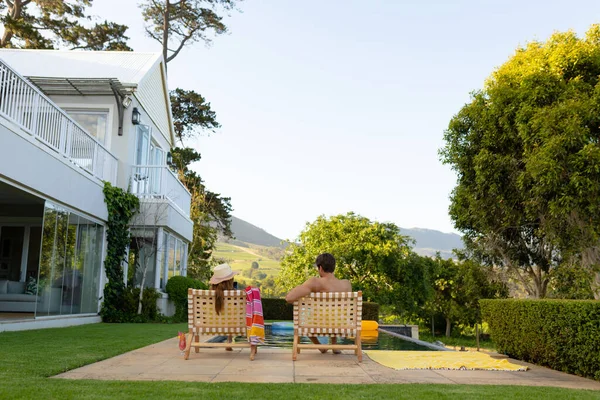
330	106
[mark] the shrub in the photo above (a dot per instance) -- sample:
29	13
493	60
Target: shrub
370	311
149	309
177	288
560	334
277	309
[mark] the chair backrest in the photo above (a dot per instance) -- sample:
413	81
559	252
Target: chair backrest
336	313
202	317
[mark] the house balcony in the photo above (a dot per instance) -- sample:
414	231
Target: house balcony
165	200
33	113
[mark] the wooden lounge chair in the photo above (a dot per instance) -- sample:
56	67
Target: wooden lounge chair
203	319
328	314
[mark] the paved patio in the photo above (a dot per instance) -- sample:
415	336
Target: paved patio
163	361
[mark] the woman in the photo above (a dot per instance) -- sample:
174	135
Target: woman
222	280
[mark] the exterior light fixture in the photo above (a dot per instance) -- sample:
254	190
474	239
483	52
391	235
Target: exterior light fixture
136	116
126	101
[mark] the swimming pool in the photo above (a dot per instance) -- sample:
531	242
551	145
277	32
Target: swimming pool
381	341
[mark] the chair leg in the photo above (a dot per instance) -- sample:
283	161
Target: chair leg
358	348
188	347
197	340
295	350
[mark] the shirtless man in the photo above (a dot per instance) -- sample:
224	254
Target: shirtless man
326	282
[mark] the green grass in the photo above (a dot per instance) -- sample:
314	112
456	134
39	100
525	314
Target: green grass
457	341
29	358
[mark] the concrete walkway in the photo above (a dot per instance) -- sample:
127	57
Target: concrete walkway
163	361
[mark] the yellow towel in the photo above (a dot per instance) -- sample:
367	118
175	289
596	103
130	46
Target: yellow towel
441	360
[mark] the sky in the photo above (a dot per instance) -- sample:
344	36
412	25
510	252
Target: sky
331	106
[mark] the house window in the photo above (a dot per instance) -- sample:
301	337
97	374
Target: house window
95	122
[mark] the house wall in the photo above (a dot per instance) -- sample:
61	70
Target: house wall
123	147
21	163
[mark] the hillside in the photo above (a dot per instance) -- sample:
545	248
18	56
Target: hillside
246	232
429	241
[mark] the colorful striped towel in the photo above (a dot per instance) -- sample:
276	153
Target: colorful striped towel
255	323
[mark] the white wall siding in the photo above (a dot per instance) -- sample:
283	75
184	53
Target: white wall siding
151	96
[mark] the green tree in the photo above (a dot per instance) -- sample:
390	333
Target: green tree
457	289
527	155
363	250
46	24
191	114
210	212
176	24
255	265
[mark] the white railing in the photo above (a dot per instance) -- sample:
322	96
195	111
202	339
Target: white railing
25	105
158	181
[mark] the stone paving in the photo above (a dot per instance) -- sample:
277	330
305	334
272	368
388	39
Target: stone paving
163	361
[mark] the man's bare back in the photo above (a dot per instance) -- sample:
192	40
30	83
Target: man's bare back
326	282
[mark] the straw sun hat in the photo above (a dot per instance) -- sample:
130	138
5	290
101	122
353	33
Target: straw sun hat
222	272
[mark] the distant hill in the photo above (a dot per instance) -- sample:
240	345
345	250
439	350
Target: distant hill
428	241
246	232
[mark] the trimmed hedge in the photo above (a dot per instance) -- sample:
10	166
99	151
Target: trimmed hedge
177	289
370	311
561	334
279	309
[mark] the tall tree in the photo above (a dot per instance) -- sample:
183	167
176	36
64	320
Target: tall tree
177	23
46	24
191	114
527	155
363	249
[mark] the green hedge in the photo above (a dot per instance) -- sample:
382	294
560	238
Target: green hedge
177	288
370	311
561	334
279	309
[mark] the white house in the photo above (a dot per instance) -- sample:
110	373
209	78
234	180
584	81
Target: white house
70	120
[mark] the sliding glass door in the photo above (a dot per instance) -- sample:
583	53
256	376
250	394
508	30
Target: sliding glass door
70	263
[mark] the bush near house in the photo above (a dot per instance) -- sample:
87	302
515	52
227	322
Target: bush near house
177	289
149	309
560	334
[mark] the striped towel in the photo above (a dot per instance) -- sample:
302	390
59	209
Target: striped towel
255	323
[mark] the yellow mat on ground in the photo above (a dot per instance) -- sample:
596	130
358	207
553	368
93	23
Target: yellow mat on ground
441	360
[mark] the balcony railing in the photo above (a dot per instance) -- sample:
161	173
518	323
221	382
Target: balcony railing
157	181
25	105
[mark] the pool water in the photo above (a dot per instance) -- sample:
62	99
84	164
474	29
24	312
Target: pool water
382	341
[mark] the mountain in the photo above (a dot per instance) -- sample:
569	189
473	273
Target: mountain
246	232
427	241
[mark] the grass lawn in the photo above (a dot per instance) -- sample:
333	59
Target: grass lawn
28	358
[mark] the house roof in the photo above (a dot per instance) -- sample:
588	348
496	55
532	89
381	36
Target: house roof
68	72
127	67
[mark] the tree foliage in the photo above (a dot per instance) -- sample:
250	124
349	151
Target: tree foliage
210	212
526	151
191	114
457	287
363	249
175	24
46	24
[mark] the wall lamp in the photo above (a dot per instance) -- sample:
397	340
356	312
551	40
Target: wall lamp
136	116
126	101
